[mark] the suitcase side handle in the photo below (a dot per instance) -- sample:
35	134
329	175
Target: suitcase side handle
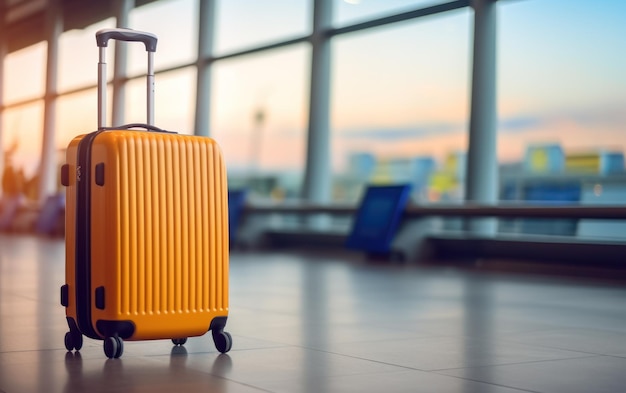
102	39
103	36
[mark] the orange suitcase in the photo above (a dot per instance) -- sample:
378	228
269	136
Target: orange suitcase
146	230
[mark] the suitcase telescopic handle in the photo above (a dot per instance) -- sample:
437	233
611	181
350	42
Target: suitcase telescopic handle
103	36
121	34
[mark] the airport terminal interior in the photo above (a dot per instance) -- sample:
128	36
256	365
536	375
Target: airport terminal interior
420	195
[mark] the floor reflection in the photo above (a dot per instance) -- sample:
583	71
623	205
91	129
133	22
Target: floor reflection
156	374
478	338
315	310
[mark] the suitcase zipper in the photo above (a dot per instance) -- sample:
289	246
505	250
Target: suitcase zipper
82	261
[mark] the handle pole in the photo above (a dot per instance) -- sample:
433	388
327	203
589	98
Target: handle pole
102	88
150	87
120	34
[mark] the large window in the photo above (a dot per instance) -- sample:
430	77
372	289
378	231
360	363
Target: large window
562	94
23	81
259	115
78	57
25	74
174	100
22	127
175	23
400	94
346	12
561	76
76	114
241	24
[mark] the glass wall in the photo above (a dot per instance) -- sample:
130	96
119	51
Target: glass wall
25	74
400	103
76	114
175	23
259	115
22	127
79	71
399	93
346	12
242	24
563	81
174	100
562	94
23	87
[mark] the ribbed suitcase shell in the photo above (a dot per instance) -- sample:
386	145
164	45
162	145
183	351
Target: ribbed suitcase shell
159	232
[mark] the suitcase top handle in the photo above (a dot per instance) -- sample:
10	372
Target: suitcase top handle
133	126
102	39
103	36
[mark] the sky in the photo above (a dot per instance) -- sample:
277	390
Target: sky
400	90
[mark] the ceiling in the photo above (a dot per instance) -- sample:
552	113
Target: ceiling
26	19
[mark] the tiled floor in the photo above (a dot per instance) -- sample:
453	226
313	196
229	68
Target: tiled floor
323	324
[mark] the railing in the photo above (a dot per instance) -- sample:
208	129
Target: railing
570	250
609	212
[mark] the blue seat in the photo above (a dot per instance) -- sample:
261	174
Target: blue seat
8	211
236	202
377	218
50	216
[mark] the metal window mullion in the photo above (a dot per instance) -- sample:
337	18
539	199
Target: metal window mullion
317	175
47	167
120	64
481	184
3	54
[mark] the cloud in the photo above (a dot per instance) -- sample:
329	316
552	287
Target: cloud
394	134
605	116
585	118
401	133
520	123
589	118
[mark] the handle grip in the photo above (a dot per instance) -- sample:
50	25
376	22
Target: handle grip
102	39
149	40
131	126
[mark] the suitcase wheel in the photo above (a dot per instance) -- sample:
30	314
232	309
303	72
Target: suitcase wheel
113	347
73	341
179	341
223	341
